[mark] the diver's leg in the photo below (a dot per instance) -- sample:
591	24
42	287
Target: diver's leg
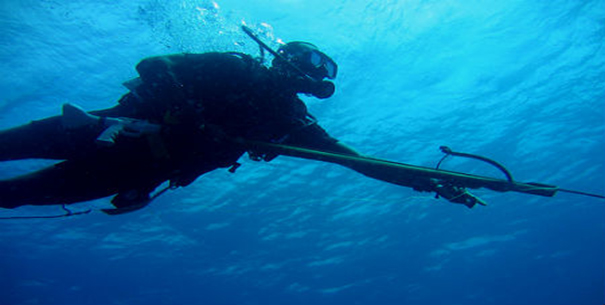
49	139
46	139
131	168
62	183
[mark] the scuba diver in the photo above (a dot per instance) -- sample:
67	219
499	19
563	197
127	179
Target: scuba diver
185	115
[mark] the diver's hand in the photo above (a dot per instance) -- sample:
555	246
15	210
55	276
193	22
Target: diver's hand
137	128
127	127
74	117
455	194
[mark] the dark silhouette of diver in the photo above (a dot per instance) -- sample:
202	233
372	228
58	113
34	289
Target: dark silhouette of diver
181	118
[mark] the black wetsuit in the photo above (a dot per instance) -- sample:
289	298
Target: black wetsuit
202	102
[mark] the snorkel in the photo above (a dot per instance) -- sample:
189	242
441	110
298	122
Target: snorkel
308	84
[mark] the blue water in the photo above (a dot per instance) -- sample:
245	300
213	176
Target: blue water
519	81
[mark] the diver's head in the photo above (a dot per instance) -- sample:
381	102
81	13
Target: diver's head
306	57
308	67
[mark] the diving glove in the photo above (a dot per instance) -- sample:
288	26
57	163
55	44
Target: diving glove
75	117
455	194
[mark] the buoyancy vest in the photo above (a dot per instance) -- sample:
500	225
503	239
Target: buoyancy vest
200	99
229	90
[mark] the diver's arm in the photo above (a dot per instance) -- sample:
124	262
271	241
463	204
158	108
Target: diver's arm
417	183
375	168
365	168
315	138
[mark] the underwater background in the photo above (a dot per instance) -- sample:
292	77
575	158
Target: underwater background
521	82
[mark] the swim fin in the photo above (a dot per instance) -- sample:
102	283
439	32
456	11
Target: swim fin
124	210
128	201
